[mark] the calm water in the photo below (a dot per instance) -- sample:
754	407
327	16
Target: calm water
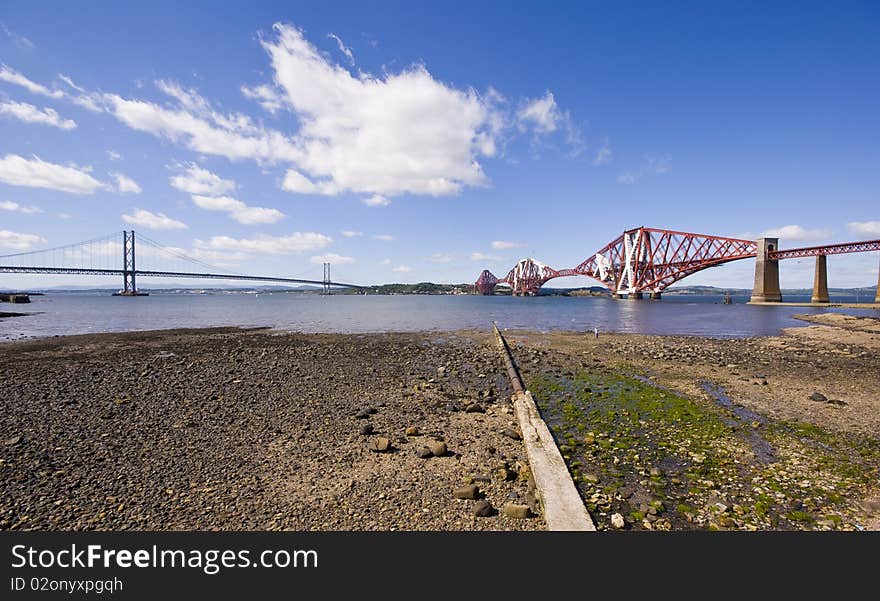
71	313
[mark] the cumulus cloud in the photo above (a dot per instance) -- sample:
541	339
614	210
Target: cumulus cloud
296	242
503	244
125	184
197	180
865	228
8	205
441	257
153	221
402	269
484	257
332	258
18	241
376	200
403	132
351	233
541	114
36	173
384	237
238	210
32	114
14	77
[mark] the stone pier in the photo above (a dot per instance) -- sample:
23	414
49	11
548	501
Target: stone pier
820	281
655	296
877	296
766	273
635	296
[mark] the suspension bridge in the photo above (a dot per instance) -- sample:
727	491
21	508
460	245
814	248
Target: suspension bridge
132	256
648	260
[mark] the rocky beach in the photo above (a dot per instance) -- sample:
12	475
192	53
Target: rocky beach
229	429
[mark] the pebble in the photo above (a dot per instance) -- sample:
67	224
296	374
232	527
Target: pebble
474	408
424	453
367	429
818	397
617	521
412	431
511	433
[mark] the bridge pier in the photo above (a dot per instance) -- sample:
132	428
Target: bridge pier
820	281
615	295
766	288
655	296
877	296
635	296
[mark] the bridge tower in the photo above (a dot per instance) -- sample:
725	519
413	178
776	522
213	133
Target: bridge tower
820	281
877	296
326	280
766	273
129	285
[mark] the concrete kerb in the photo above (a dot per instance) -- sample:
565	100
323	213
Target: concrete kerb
563	507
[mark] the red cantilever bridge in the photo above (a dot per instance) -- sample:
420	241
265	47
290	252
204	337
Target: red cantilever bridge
648	260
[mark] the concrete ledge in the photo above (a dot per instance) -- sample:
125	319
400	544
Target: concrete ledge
563	507
836	305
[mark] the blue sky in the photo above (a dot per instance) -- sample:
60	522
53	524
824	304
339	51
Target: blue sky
426	143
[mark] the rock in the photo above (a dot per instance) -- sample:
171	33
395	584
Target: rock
483	509
367	429
452	407
412	431
474	408
380	444
471	491
655	471
365	413
9	442
424	453
836	402
511	433
517	511
617	521
441	371
438	448
588	477
818	397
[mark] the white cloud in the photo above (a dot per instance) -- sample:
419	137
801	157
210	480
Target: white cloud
197	180
19	241
343	48
266	96
64	216
503	244
441	257
604	156
113	155
797	233
385	262
31	114
865	228
402	269
8	205
403	132
376	200
351	233
296	242
384	237
125	184
627	178
541	114
16	78
238	210
484	257
332	258
36	173
154	221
